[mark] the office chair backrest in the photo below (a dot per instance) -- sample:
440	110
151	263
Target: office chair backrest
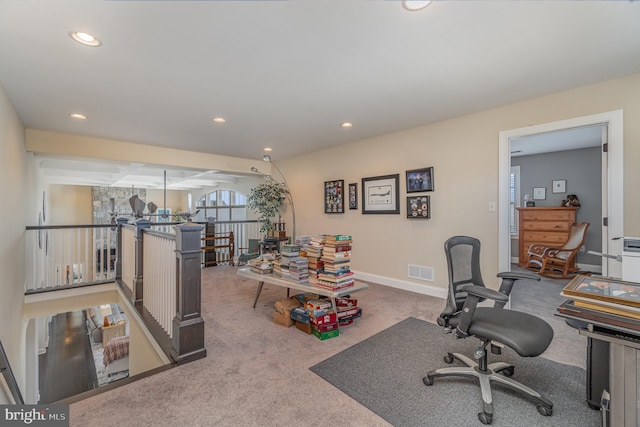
463	262
254	245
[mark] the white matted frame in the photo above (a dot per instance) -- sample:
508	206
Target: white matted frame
380	194
559	186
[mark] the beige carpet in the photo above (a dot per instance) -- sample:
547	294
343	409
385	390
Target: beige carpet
256	373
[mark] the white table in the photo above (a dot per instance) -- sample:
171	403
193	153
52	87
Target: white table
274	279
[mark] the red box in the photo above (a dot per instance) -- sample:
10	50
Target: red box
326	327
325	318
346	302
348	312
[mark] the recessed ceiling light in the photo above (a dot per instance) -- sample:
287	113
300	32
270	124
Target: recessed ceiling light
346	124
219	119
77	116
85	38
268	149
414	5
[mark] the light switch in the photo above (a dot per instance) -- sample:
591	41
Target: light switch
492	206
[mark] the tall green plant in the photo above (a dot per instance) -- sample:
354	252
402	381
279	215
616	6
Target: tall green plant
266	199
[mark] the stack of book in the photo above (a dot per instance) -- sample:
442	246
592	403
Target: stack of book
298	269
336	256
314	254
293	267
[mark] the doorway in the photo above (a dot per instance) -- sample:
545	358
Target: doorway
612	184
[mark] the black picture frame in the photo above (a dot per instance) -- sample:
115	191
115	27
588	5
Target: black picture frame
353	195
334	196
419	180
381	195
419	207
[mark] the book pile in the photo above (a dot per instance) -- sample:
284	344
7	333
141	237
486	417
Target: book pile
293	267
315	314
336	257
260	265
314	255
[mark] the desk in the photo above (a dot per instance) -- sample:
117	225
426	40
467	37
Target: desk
276	280
624	361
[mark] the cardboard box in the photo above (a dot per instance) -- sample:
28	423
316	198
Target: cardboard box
284	306
282	319
304	327
345	312
326	335
346	302
326	327
318	304
324	319
299	314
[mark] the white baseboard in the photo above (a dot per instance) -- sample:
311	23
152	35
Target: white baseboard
585	267
402	284
590	267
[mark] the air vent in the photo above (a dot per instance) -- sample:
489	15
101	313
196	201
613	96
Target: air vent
420	272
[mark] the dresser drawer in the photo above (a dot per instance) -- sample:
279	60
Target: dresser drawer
554	239
562	226
547	215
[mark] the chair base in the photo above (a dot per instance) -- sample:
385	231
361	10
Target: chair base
498	372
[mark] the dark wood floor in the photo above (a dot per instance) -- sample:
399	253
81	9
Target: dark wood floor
67	368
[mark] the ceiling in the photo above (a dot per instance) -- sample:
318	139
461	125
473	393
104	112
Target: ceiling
285	74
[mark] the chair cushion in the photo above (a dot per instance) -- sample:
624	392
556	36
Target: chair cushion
528	335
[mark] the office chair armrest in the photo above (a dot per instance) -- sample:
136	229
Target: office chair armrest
517	275
474	295
508	280
482	292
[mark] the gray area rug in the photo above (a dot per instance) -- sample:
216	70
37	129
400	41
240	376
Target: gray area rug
384	373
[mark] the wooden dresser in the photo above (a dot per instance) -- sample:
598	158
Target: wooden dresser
547	225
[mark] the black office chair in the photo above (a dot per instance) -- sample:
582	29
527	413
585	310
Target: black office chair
528	335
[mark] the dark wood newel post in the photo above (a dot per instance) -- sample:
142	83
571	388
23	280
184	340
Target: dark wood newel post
138	283
188	325
120	222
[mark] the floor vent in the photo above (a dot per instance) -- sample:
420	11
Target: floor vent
420	272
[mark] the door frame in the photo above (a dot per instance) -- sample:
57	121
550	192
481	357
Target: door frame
613	184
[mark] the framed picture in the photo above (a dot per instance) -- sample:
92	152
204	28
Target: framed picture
334	196
419	207
420	180
380	195
353	195
604	292
539	193
559	186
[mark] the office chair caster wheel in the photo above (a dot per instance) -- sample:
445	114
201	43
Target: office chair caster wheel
448	359
427	380
485	418
508	372
543	410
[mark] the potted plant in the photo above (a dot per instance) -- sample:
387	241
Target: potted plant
266	199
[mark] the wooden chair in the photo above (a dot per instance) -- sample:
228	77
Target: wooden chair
558	263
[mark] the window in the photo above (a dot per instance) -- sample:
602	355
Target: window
514	199
222	205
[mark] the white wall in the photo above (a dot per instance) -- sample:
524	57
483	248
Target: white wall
464	154
18	192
